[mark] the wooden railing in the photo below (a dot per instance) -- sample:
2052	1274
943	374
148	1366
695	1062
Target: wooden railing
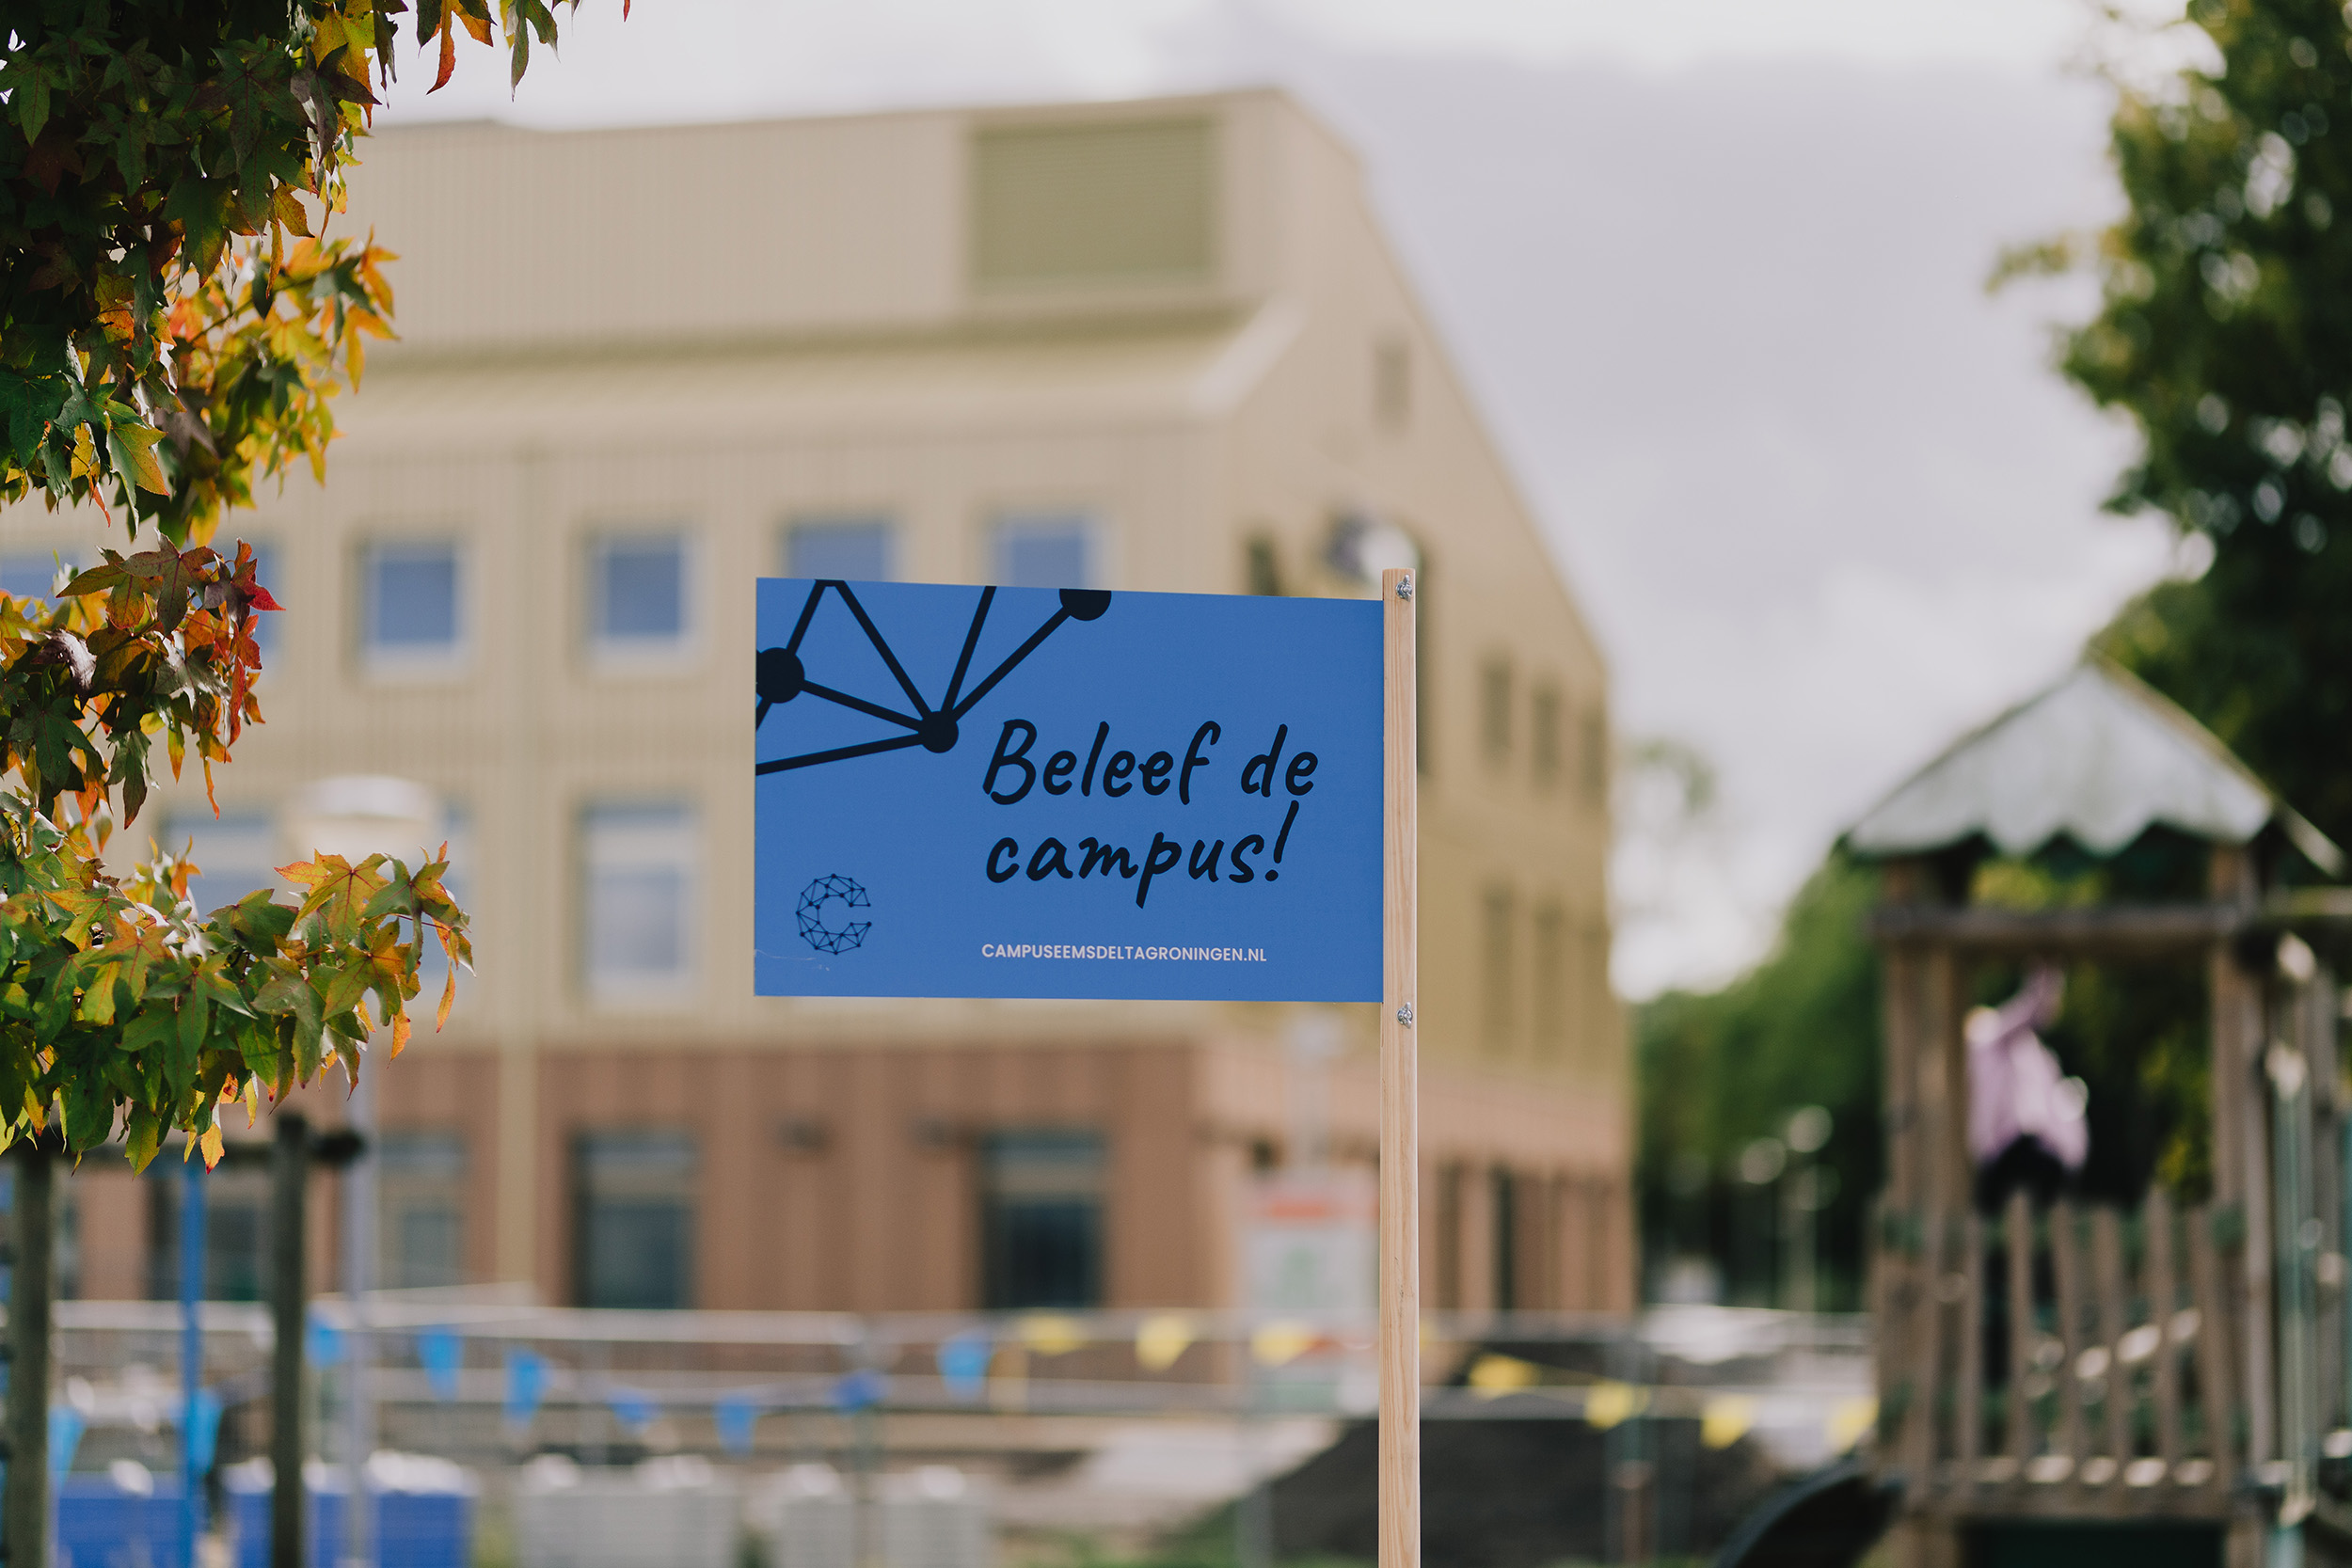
2066	1360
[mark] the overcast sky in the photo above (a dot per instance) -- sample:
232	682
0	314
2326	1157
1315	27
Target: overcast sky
1714	271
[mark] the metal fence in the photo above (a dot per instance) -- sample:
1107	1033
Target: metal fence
1121	1427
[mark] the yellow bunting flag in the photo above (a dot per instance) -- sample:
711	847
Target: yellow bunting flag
1723	1420
1848	1422
1608	1404
1161	1341
1048	1334
1276	1344
1492	1374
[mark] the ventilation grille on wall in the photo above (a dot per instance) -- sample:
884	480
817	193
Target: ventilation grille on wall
1128	204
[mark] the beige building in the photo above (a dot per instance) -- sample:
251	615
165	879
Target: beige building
1149	345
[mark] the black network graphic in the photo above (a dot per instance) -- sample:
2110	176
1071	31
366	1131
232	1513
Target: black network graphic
782	678
814	930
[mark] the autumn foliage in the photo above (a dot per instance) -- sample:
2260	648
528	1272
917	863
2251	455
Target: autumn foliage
175	319
118	1002
172	320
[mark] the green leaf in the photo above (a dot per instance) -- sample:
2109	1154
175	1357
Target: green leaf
294	996
28	95
256	923
201	208
338	893
103	995
153	1026
211	981
30	402
144	1135
193	1019
132	448
398	895
345	987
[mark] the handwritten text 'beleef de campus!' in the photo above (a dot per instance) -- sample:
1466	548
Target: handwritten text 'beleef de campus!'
1114	774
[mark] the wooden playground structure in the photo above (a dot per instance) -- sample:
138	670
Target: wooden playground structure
2170	1379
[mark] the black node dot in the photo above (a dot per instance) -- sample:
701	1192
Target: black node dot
937	732
1086	604
1274	876
781	676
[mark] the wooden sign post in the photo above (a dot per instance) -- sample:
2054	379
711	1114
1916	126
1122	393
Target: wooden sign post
1400	1093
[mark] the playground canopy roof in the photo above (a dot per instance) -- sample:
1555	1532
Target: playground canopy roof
2100	758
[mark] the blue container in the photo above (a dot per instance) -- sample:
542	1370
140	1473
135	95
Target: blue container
101	1525
413	1530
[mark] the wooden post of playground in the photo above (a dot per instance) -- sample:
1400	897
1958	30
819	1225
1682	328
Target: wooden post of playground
1400	1091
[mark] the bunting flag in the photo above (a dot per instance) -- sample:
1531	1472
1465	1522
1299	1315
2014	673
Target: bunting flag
633	1407
65	1426
963	1363
443	1354
204	1435
1161	1341
860	1390
736	1417
1052	1334
1606	1403
1724	1420
1494	1374
1277	1344
1850	1421
526	1385
322	1343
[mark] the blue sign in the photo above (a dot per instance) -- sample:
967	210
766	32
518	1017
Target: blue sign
1029	792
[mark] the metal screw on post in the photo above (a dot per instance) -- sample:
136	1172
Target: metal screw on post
1405	586
1405	1014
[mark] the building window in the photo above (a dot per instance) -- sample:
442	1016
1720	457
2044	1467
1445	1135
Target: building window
1051	551
1593	756
236	1233
1552	960
1494	709
421	1175
1547	720
853	550
1506	1239
637	588
36	574
1041	1219
1261	567
1391	383
634	1243
1131	201
1450	1238
1595	1002
412	607
638	886
235	853
1495	1013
